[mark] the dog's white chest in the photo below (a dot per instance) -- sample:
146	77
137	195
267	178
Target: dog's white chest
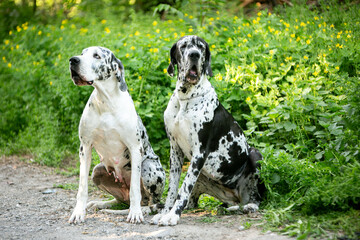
107	137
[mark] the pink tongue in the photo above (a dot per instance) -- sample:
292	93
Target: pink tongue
192	72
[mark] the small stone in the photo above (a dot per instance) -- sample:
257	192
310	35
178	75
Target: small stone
241	228
49	191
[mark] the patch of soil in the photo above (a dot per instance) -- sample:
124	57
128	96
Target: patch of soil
32	208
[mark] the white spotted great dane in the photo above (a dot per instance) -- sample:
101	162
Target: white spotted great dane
129	168
222	164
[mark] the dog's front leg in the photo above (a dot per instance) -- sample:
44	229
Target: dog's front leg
176	162
173	217
135	214
78	214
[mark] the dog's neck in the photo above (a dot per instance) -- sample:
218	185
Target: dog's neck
107	92
187	91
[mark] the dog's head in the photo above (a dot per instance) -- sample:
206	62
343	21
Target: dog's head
96	64
192	56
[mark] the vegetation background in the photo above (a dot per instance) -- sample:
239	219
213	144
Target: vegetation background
288	73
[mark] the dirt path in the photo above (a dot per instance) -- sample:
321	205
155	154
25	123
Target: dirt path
31	208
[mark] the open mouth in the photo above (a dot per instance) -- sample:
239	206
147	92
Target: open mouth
79	80
192	76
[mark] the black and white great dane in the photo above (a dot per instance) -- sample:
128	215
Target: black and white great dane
222	164
129	168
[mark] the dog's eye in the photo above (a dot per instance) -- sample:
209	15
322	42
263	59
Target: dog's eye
96	56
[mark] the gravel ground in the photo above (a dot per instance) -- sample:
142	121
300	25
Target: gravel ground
32	208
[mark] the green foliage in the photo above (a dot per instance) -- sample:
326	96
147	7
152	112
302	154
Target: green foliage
291	81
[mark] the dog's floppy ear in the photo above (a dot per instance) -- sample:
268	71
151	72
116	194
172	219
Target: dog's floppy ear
173	61
118	68
207	63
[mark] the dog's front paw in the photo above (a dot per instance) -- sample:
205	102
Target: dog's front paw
170	219
156	218
135	215
78	215
250	208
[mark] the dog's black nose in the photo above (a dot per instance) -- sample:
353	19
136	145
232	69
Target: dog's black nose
195	55
74	60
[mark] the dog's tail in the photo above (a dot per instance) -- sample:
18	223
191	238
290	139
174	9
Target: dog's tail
255	156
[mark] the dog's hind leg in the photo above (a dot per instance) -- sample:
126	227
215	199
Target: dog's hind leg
106	182
153	180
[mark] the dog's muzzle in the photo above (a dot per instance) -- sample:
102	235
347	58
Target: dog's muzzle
193	75
75	76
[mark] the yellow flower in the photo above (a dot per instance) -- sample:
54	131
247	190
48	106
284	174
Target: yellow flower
62	27
316	18
7	42
306	58
213	46
165	70
154	23
271	52
157	30
125	44
298	39
281	64
10	33
40	32
292	35
4	59
50	83
60	38
269	13
191	17
83	31
140	77
176	35
315	73
190	30
137	33
249	35
225	29
248	99
266	45
348	36
132	48
259	14
229	40
308	41
245	40
103	21
9	65
302	24
217	33
107	30
186	14
17	46
18	28
127	55
156	50
337	68
64	21
151	50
